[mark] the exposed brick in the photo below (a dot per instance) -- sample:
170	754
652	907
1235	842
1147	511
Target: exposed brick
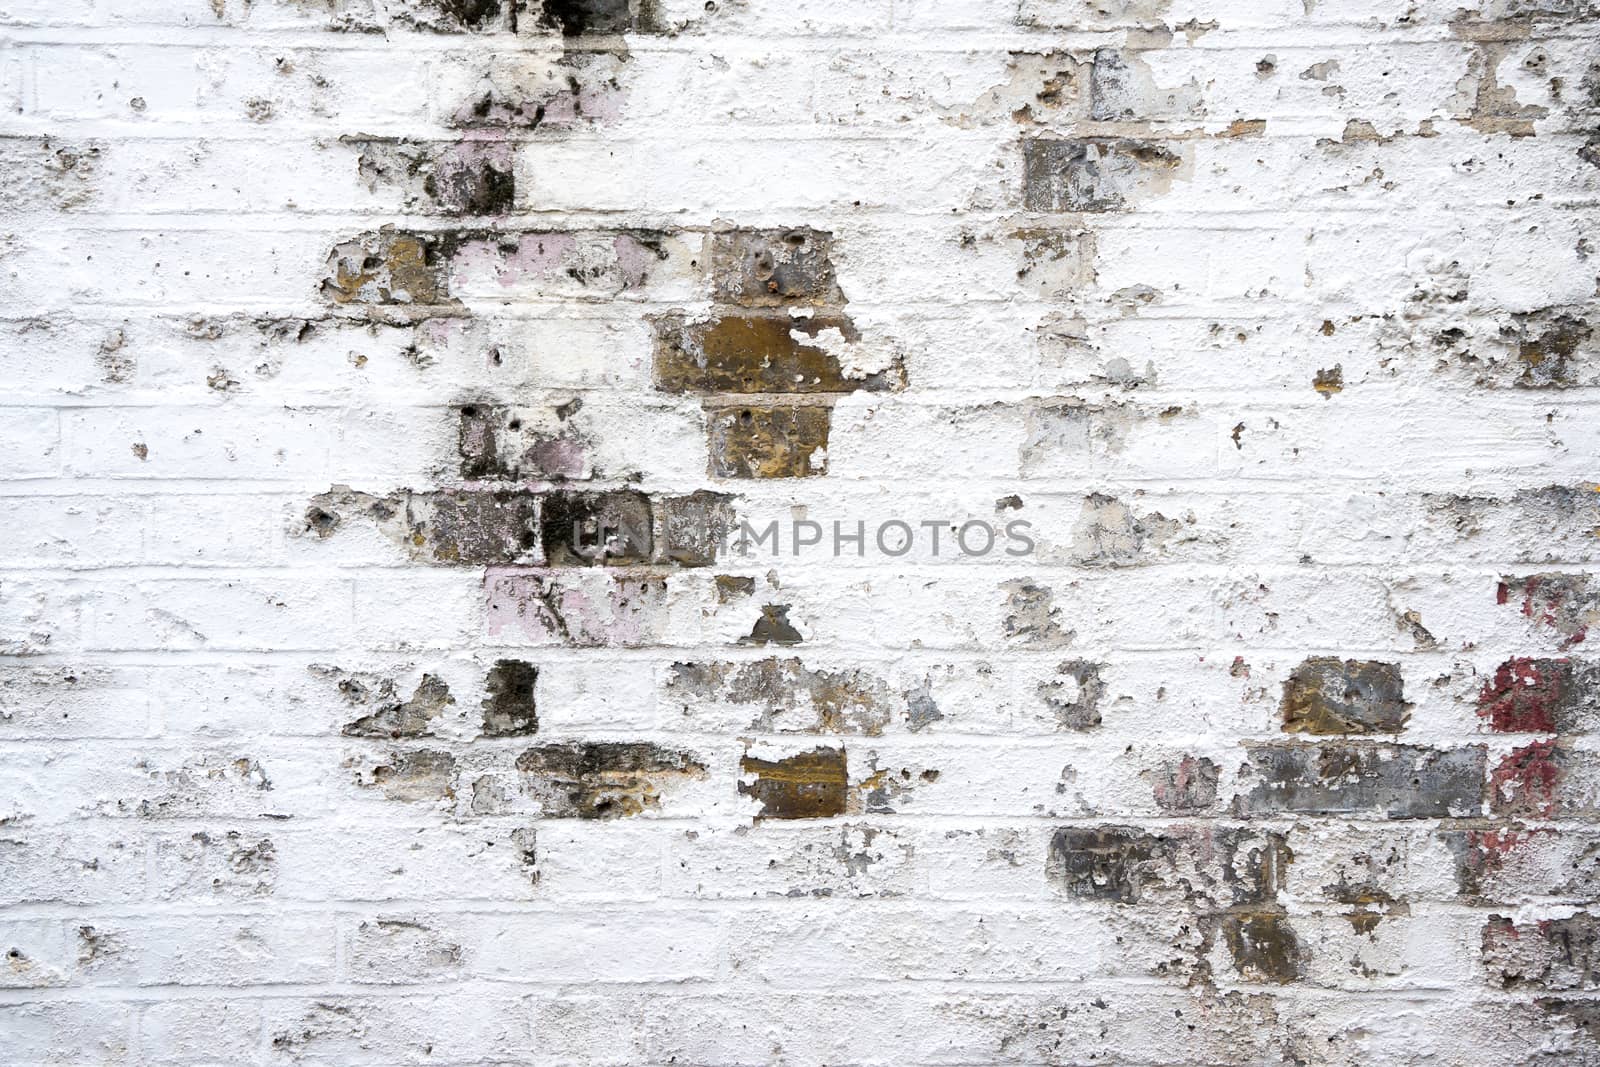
1326	695
1565	603
388	267
405	718
575	18
1362	778
1109	862
774	268
509	705
1557	955
1546	780
1073	696
1263	946
1188	786
468	178
626	527
498	442
768	442
1530	695
758	352
1094	173
420	775
462	527
785	696
581	529
806	785
602	779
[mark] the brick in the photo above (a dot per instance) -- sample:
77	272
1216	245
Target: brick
769	442
1094	174
459	527
785	696
774	268
394	718
1546	780
1325	695
467	178
775	352
510	707
519	443
387	268
602	780
1537	695
805	785
1108	863
1362	778
1565	603
1551	954
585	529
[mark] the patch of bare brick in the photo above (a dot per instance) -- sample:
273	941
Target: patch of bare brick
1326	695
807	785
509	703
602	779
1361	778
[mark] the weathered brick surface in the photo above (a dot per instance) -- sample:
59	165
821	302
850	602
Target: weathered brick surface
613	532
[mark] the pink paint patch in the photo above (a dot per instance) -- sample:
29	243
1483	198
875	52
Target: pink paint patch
515	259
634	260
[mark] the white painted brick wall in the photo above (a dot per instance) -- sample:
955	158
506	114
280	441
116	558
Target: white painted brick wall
1274	321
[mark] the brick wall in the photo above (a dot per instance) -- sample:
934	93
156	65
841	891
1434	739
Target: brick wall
399	396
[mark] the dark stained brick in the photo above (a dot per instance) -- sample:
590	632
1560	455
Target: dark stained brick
509	708
583	529
602	780
1109	862
1357	777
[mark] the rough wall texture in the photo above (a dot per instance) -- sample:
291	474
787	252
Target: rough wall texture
383	380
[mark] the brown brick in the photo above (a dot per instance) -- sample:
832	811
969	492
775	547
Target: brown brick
388	268
1263	946
807	785
1327	695
768	442
756	352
